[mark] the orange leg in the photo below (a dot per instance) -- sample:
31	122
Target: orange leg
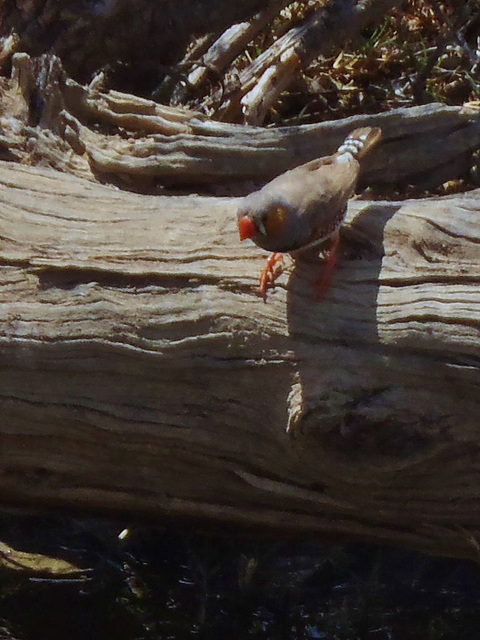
270	273
325	278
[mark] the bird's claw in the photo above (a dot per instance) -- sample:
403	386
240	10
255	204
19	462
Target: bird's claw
323	282
270	273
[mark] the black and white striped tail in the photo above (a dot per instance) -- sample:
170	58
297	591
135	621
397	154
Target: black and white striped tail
358	143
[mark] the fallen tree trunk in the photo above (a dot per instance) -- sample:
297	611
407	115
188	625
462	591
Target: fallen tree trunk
140	372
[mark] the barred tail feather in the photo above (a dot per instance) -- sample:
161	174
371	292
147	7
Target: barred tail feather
359	142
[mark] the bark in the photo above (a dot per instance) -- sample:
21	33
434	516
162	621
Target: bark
140	372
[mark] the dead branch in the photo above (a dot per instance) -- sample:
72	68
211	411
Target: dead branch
328	27
231	43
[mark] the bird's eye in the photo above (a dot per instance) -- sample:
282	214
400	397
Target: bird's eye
274	221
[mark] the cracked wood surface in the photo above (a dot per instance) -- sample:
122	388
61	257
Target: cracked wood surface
140	372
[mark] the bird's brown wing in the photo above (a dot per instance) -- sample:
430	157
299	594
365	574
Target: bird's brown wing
320	189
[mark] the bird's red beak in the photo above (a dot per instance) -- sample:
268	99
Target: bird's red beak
246	228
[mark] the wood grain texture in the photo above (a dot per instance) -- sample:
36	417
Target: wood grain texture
140	372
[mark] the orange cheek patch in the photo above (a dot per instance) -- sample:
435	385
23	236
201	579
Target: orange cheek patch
275	221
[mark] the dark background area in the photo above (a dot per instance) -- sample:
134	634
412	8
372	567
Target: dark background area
169	583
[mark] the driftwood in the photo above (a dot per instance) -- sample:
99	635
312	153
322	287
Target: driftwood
428	145
46	117
140	372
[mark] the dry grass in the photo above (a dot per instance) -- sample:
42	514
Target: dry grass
426	52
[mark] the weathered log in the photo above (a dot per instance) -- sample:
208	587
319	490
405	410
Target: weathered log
428	145
84	131
140	372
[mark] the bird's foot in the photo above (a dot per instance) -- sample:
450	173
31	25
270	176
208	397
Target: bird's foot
270	273
323	282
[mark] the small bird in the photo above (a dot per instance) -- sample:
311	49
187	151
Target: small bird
304	207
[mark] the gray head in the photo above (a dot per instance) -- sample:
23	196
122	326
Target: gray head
271	222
